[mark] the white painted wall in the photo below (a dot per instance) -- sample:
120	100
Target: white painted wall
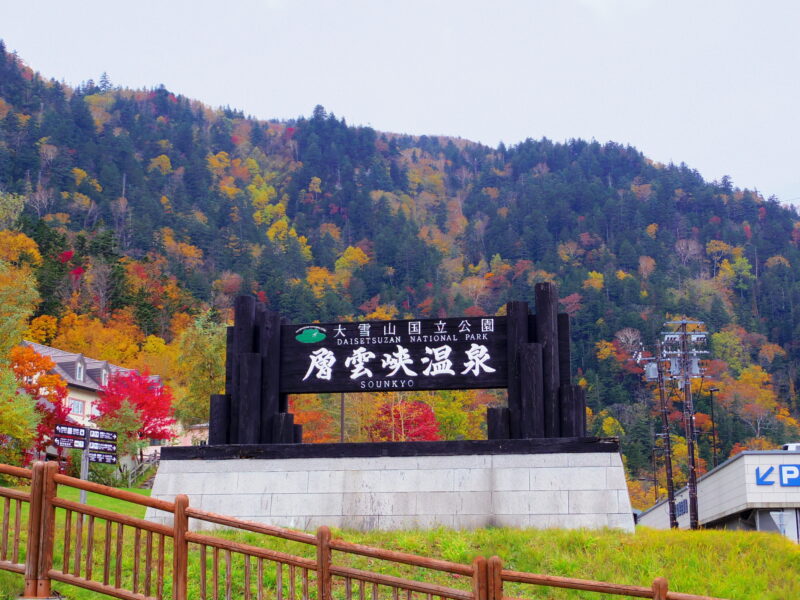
568	490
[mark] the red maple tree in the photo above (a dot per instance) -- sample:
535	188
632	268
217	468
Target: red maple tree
151	400
404	421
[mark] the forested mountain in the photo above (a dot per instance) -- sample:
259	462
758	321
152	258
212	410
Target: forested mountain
147	209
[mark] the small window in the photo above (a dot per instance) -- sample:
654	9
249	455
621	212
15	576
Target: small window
76	407
104	377
79	372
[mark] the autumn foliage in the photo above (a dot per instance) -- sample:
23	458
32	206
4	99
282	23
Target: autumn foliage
49	390
127	215
150	399
404	421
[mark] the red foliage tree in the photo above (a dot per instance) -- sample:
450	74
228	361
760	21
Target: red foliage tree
404	421
150	399
33	372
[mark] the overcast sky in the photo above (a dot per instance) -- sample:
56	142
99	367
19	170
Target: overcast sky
713	84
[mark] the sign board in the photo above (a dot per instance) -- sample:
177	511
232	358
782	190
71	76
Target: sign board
103	447
524	353
102	444
98	457
787	475
426	354
67	442
101	434
70	431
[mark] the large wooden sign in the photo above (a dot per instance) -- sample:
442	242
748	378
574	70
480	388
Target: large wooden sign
527	354
427	354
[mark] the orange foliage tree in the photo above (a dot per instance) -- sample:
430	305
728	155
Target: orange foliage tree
318	424
33	372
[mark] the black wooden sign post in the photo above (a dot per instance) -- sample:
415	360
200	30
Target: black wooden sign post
268	359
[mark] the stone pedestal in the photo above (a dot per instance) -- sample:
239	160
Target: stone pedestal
464	486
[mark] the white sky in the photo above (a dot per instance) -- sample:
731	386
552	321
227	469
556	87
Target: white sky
714	84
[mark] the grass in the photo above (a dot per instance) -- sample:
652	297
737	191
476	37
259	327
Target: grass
725	564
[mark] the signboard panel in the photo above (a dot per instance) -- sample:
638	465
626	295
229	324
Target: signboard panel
97	457
70	431
426	354
100	441
786	476
102	434
103	447
67	442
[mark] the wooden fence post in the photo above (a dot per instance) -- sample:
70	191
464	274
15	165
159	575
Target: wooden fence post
34	531
480	586
660	588
180	548
495	579
323	563
47	529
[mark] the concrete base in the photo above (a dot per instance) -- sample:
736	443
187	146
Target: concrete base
564	490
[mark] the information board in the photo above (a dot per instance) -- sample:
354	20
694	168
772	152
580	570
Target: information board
102	444
428	354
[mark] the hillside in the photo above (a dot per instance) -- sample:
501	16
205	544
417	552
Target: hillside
149	210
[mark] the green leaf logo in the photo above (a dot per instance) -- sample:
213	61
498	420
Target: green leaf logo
310	335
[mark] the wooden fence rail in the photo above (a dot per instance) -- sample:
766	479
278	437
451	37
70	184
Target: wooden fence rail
46	538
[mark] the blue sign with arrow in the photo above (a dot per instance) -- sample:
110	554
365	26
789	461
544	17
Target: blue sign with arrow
788	476
761	478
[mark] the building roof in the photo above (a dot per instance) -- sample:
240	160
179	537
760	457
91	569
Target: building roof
67	366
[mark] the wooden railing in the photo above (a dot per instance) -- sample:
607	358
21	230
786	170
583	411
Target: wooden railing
47	539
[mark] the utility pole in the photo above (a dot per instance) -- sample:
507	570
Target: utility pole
685	365
655	474
713	426
662	396
688	418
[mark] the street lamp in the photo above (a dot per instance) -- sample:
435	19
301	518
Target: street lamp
713	426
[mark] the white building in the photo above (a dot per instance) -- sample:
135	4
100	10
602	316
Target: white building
752	491
85	378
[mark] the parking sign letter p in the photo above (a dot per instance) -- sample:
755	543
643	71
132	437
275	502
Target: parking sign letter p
790	475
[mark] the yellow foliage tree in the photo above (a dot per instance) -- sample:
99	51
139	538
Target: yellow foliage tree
604	350
320	280
383	312
351	259
570	252
160	163
42	329
18	300
282	234
217	163
717	249
594	281
117	341
191	257
18	249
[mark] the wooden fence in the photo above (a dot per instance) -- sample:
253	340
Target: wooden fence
48	539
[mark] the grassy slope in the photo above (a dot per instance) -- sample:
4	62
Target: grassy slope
733	565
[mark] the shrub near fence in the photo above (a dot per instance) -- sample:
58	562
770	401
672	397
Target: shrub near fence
47	539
